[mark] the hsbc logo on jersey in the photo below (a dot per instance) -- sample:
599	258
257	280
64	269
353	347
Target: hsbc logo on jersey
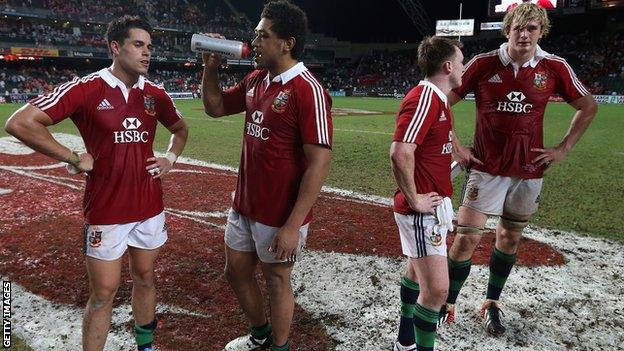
131	134
515	103
255	128
257	117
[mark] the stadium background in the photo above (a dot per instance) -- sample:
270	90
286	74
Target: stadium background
365	55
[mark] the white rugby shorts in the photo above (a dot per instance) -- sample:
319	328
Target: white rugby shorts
421	235
109	242
244	234
494	195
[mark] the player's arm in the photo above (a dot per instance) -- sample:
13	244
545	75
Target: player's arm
29	125
177	142
403	163
463	155
586	109
212	95
287	238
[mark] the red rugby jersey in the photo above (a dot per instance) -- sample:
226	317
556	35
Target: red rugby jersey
281	116
118	128
510	107
425	119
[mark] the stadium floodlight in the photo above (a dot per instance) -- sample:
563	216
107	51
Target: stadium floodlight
416	12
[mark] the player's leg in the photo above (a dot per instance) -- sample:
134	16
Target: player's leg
241	261
425	285
143	295
103	247
520	203
409	290
483	195
104	279
432	275
144	241
282	300
277	274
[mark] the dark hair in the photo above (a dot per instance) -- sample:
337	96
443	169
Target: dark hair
119	29
288	21
433	51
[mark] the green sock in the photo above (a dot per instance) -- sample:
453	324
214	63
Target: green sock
458	273
285	347
409	294
425	323
261	332
144	335
500	268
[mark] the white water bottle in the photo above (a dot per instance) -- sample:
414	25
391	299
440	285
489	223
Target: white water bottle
227	48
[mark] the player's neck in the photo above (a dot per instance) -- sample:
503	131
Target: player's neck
442	82
521	57
128	78
282	66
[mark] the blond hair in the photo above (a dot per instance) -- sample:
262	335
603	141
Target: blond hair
525	13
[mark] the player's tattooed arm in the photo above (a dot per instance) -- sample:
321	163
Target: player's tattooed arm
29	125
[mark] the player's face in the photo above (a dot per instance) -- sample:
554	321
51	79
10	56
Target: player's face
135	53
457	65
523	39
267	47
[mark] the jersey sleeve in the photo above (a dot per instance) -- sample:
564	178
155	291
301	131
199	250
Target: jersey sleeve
314	112
168	113
568	85
470	78
66	100
234	97
415	117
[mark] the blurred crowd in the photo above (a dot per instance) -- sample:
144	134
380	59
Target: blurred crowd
597	58
187	15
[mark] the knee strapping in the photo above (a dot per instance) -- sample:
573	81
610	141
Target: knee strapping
513	224
469	230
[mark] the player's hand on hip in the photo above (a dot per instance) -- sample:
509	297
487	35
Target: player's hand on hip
285	244
85	164
548	156
426	203
465	156
159	166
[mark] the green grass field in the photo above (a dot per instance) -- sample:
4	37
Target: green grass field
583	193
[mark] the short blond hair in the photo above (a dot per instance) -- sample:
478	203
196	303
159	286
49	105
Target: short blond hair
525	13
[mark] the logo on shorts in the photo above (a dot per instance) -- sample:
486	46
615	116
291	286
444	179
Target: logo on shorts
95	238
537	200
279	104
473	194
165	227
435	239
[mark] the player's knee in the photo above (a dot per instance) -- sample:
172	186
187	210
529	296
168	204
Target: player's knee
514	223
435	296
236	276
102	297
467	238
277	281
143	279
